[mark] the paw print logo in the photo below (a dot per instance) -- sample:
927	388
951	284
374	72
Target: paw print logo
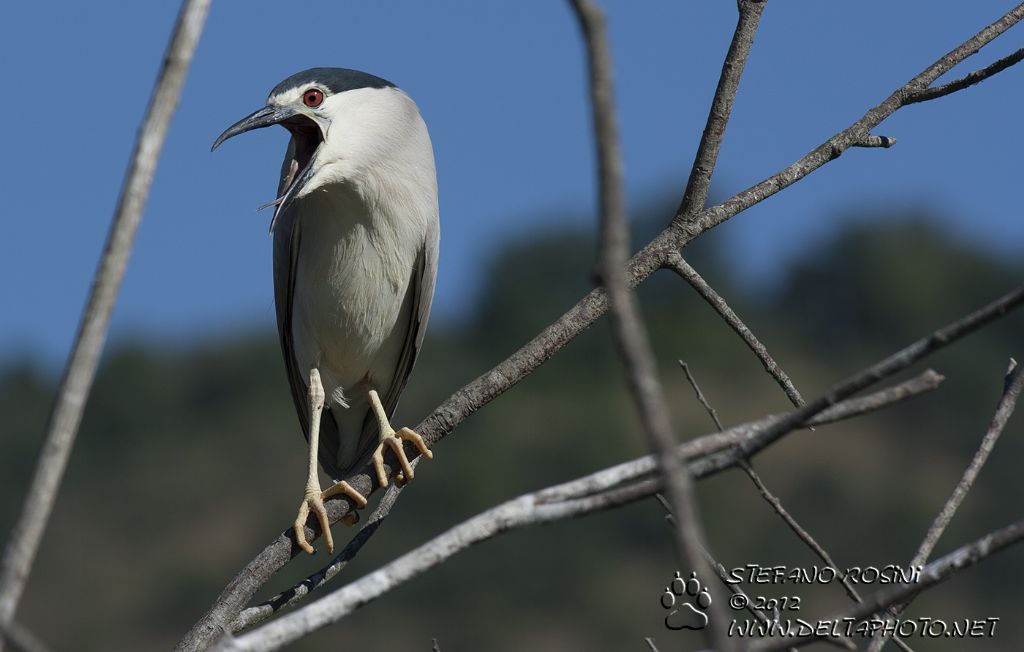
688	602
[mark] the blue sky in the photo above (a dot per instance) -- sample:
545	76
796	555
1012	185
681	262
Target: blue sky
501	87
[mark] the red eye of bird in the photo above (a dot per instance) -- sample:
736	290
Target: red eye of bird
313	98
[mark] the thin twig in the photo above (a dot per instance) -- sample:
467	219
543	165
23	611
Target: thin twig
1007	403
80	370
678	265
697	186
934	573
895	363
967	80
777	506
856	406
1013	382
769	497
797	529
502	377
723	578
628	329
712	412
695	450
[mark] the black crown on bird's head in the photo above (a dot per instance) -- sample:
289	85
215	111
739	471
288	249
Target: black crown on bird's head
335	80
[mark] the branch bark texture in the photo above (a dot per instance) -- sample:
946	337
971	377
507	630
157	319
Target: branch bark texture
548	342
80	371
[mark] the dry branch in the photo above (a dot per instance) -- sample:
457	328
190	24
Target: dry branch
80	370
520	512
678	265
723	577
768	496
967	80
697	186
628	329
259	613
1007	403
1012	386
932	574
887	367
605	487
598	491
491	384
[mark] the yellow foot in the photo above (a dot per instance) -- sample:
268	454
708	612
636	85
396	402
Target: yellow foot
394	441
314	502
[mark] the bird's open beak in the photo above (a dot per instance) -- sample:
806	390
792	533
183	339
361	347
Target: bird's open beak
307	134
265	117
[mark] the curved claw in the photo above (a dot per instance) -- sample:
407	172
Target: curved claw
408	434
313	504
396	443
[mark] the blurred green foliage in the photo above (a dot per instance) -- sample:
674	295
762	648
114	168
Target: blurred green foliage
189	459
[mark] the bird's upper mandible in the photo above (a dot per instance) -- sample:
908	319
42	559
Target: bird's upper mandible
345	124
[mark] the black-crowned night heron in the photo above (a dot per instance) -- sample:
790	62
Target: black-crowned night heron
356	232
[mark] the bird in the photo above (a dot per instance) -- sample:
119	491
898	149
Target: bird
356	233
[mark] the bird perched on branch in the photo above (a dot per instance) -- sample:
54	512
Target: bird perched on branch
355	230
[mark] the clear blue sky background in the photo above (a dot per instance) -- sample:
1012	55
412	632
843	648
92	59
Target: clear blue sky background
501	87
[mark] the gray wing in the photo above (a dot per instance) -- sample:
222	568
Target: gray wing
421	289
287	237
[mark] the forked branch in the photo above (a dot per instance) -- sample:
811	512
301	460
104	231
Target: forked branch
685	227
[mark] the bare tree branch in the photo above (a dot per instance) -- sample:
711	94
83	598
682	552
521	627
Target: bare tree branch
550	340
932	574
628	328
809	540
1014	381
294	595
797	529
712	412
598	491
529	509
697	449
80	370
773	500
969	79
732	587
697	186
621	473
1005	408
887	367
856	406
678	265
682	230
605	488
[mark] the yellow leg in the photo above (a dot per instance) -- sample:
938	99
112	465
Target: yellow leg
394	440
313	499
